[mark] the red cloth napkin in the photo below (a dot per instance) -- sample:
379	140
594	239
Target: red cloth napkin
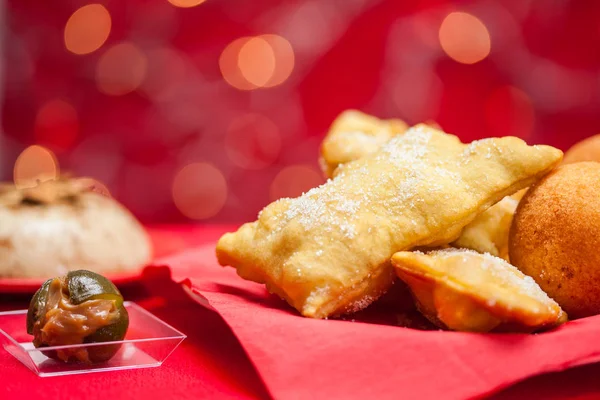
302	358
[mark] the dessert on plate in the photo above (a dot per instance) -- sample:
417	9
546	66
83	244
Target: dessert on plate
61	226
78	308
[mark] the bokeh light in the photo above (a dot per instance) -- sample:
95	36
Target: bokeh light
509	112
87	29
228	63
294	180
35	163
56	124
257	62
252	141
186	3
121	69
199	190
284	59
464	38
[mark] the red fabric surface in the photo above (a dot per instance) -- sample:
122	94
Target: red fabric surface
353	359
208	364
211	363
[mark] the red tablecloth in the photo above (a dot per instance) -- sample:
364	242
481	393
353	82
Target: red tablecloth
210	363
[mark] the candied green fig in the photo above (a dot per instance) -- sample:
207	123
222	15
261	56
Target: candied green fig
81	307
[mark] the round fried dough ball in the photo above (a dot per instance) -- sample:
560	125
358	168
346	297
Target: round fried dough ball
586	150
555	237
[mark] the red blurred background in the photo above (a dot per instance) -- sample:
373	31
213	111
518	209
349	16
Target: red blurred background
191	110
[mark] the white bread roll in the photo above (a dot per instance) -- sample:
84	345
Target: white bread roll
59	226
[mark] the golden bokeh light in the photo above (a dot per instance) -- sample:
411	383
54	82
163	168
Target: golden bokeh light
186	3
294	180
87	29
121	69
199	190
257	62
252	141
464	38
228	64
35	163
56	124
284	56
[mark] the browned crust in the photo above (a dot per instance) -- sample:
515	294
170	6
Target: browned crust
586	150
555	237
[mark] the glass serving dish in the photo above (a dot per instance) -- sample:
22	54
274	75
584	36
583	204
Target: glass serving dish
148	343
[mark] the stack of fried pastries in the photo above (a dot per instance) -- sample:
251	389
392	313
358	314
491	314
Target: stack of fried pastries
340	246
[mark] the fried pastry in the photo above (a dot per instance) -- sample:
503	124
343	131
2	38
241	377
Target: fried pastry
354	135
488	233
464	290
328	251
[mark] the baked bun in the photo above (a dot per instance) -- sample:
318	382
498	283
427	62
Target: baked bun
60	226
555	237
586	150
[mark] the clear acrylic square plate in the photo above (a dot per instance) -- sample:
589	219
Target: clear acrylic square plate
148	343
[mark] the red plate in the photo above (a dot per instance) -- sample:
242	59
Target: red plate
30	285
166	240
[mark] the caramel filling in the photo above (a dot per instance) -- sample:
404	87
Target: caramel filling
62	323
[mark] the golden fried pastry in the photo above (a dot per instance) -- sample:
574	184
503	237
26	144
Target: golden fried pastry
586	150
555	237
61	226
519	195
354	135
488	233
464	290
328	251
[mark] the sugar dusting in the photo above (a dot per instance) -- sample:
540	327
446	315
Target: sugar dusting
318	294
354	139
333	208
502	272
330	212
321	208
360	304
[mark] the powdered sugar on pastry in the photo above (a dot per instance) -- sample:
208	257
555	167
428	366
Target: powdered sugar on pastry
464	290
415	191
